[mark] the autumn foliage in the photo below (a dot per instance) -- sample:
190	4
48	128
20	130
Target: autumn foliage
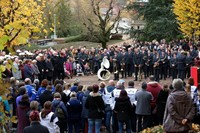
188	16
19	20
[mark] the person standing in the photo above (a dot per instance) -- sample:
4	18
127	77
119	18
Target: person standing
131	91
94	103
16	72
74	109
137	60
35	125
22	109
181	65
179	110
143	107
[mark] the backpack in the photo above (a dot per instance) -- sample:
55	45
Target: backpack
59	112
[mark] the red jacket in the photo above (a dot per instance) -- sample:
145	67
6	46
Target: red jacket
154	87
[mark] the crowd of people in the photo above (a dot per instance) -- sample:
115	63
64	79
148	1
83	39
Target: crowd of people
136	59
42	97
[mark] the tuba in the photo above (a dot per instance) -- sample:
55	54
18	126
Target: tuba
103	73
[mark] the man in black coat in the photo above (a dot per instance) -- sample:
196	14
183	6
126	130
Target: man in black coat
128	62
181	65
41	66
137	60
35	126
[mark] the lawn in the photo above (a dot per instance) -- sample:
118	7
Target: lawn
75	44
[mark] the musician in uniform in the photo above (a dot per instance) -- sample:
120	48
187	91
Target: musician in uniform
122	63
137	61
156	63
128	62
189	62
173	66
150	63
115	66
163	65
181	65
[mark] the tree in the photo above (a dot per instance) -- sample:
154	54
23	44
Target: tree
105	22
63	14
160	21
188	16
19	20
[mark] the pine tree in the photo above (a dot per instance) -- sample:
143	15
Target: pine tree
160	21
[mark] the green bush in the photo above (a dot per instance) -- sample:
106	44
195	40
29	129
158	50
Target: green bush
75	38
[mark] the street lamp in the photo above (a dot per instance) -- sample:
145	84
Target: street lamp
54	36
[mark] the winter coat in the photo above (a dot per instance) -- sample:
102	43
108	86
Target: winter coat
45	96
161	103
154	88
123	108
179	106
35	69
143	106
50	121
22	117
55	103
84	113
36	127
93	102
31	92
16	72
74	108
28	72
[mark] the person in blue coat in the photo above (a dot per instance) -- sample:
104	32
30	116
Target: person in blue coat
74	108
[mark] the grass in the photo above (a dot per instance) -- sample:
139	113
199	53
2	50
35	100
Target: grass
69	44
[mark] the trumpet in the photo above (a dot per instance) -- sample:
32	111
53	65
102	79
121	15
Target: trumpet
156	64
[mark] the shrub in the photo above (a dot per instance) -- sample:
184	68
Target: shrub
116	37
80	37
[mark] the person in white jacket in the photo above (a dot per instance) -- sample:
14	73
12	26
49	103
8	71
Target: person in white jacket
48	118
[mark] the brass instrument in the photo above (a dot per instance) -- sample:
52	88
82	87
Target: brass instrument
156	64
104	74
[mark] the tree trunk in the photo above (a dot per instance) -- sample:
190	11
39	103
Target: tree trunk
103	43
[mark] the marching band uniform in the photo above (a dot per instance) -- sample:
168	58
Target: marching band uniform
128	63
137	59
156	62
181	65
163	65
173	66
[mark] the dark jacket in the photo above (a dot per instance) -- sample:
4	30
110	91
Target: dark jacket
23	119
36	127
179	106
181	62
45	96
161	103
84	113
28	72
93	102
123	108
74	108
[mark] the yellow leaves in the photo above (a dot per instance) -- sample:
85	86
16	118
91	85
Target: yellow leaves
20	21
188	13
2	68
